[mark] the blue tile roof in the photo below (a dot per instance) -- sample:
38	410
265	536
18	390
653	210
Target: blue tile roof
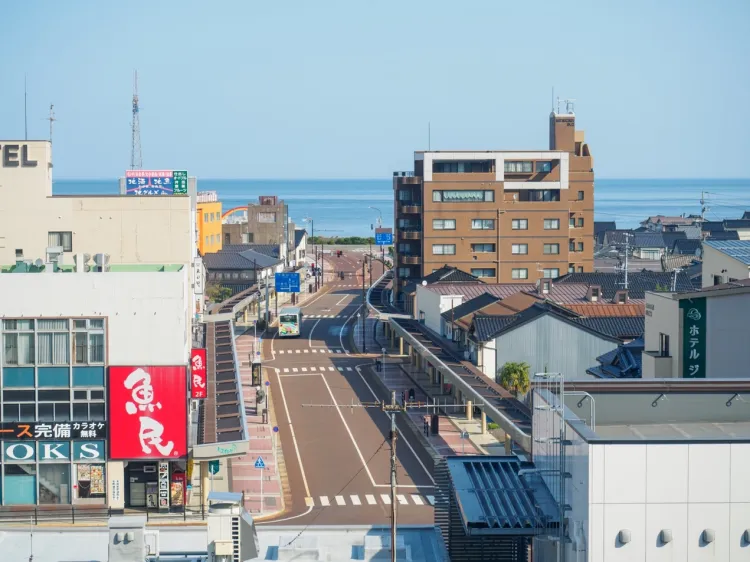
737	249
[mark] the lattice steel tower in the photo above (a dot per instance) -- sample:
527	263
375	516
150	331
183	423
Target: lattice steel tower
136	157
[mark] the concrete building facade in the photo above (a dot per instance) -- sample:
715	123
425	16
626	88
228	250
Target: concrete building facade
268	221
503	216
725	261
209	222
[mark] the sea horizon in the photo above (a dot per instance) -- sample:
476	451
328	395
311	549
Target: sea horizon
351	207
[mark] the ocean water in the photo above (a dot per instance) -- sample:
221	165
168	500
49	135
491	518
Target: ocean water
342	207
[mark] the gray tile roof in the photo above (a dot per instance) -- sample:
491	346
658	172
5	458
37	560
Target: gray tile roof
446	274
737	223
603	226
686	246
470	306
693	231
638	282
648	240
671	237
746	215
724	235
620	327
712	226
737	249
623	362
244	260
299	234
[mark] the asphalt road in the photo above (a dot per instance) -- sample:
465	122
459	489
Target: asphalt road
338	457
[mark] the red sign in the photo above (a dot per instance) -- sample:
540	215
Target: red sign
198	373
148	412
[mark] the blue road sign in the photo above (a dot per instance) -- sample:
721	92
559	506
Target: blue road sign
287	283
383	238
259	463
276	429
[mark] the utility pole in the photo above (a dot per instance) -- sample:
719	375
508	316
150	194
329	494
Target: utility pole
703	213
364	307
25	112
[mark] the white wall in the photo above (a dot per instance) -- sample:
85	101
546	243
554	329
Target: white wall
433	305
728	334
662	317
715	261
148	313
682	487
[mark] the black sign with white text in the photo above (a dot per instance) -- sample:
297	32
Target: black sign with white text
32	431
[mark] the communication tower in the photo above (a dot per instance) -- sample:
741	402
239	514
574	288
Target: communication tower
136	157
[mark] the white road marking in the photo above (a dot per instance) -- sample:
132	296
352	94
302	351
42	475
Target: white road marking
340	368
431	499
338	351
348	368
309	337
286	369
370	499
324	501
306	351
276	369
342	300
314	350
355	500
402	499
295	370
304	369
417	499
331	369
297	351
340	500
309	502
296	448
349	431
386	499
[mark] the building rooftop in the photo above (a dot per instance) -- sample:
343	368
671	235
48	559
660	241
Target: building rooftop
244	260
299	235
696	431
736	223
113	268
687	246
638	282
662	219
737	249
603	226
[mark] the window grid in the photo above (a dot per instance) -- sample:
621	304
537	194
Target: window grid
551	273
520	224
463	196
551	224
552	248
520	273
444	224
483	224
64	239
520	249
444	249
482	248
483	272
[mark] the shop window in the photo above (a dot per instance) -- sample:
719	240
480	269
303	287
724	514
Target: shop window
54	483
89	480
20	484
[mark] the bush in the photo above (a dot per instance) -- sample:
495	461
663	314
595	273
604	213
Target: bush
492	425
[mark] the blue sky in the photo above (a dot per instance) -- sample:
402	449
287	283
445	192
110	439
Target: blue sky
328	89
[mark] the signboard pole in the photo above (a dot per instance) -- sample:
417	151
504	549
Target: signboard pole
261	491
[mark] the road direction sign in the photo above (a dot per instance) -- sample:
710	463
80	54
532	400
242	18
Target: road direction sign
287	282
259	463
383	237
213	467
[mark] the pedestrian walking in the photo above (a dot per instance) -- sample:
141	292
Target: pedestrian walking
426	428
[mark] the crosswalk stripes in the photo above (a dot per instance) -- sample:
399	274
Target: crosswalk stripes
286	369
331	369
295	370
355	500
340	368
321	316
348	368
304	369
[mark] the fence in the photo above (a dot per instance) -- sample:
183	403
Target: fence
35	515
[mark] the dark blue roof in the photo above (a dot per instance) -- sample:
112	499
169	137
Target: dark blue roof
477	303
603	226
648	240
724	235
686	246
712	226
299	234
737	223
620	327
623	362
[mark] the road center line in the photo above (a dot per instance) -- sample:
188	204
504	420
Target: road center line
349	431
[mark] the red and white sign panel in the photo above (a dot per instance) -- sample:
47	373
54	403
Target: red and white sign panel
198	373
148	412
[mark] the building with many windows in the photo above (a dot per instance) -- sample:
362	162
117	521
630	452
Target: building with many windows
208	220
503	216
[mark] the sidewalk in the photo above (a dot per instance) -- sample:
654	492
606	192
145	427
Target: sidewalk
400	375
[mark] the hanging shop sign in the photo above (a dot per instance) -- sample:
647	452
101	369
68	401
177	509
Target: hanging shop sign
148	406
163	485
32	431
693	338
198	373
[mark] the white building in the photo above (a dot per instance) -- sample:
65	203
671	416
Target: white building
660	475
725	261
699	334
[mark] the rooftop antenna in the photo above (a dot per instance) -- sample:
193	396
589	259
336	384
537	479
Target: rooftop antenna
429	136
624	267
25	112
553	99
51	120
136	157
558	105
570	106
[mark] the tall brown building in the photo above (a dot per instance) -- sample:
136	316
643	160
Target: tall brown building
503	216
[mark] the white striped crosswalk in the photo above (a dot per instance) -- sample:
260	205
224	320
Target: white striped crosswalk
320	316
370	499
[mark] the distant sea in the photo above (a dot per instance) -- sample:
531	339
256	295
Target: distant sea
341	207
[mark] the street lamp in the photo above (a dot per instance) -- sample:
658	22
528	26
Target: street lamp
380	219
315	252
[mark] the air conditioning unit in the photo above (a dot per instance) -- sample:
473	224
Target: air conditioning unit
102	262
82	263
54	257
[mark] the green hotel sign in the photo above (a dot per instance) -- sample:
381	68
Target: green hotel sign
693	338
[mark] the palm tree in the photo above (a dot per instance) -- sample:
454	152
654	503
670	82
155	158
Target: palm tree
514	377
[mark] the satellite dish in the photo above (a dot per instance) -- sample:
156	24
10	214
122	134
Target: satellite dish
39	263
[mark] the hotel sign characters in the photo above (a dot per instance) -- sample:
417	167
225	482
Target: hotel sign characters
693	338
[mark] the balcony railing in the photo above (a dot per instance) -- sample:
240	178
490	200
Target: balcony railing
410	234
411	207
410	260
403	174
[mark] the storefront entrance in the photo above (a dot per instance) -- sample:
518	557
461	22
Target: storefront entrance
155	485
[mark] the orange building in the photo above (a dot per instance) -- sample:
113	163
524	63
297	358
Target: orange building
208	222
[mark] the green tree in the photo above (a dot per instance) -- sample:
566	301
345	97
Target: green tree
514	377
217	293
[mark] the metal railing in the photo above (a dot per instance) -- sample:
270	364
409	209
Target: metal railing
36	515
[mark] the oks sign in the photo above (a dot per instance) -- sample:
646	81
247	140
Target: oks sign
148	409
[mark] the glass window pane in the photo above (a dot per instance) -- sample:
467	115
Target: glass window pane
81	412
54	483
19	396
97	411
62	411
10	412
97	395
81	347
20	484
96	323
52	324
28	412
46	412
80	395
80	324
53	395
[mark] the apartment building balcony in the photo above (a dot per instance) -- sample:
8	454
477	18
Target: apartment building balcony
411	207
410	259
655	365
406	178
410	234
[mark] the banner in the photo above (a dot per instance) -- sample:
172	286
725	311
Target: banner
148	406
198	373
693	338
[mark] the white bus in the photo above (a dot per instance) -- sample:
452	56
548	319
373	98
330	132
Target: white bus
290	318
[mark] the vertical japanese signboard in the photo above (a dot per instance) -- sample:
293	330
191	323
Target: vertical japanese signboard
198	373
148	408
693	338
163	486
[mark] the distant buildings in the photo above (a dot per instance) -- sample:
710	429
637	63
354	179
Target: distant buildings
208	219
725	261
502	216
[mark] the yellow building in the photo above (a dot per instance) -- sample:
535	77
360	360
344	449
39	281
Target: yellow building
208	221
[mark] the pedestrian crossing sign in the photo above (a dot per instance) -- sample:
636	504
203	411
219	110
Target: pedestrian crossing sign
259	463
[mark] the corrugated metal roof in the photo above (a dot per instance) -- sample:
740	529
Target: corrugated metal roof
620	327
737	249
737	223
638	282
473	290
468	307
494	499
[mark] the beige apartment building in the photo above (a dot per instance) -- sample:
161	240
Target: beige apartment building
503	216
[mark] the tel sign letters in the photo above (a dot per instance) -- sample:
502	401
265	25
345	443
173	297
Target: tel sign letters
15	156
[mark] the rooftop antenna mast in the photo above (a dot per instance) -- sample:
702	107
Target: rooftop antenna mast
704	208
136	157
429	136
51	120
624	267
570	106
25	112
